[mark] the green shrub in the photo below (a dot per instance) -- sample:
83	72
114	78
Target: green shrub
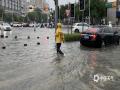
72	37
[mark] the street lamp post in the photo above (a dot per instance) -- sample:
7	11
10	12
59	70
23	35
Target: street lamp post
89	13
2	16
117	9
56	13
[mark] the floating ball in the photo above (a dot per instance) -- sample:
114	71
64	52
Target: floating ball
6	36
16	37
47	37
2	36
38	43
3	47
28	37
38	37
25	44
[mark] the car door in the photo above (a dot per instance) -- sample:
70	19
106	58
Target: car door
86	26
79	26
108	35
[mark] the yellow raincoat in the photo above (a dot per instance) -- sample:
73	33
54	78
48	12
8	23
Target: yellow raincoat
59	36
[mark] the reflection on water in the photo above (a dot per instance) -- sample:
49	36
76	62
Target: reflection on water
58	58
92	59
70	72
6	33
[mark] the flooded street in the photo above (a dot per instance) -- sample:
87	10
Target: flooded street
38	67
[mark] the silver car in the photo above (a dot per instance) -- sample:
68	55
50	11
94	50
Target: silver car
5	27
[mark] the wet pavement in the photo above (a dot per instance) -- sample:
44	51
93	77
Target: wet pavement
38	67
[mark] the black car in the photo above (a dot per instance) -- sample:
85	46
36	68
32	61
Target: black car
98	36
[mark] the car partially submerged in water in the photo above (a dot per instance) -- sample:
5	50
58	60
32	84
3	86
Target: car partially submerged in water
96	37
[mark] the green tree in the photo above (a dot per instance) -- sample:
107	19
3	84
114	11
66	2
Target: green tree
44	17
20	19
7	17
1	13
36	15
62	11
32	16
98	10
63	8
15	17
78	14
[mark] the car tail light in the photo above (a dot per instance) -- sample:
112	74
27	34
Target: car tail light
93	37
81	35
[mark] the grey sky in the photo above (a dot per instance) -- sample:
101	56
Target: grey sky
111	0
52	5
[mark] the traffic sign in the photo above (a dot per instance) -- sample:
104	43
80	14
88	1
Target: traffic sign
108	5
67	12
82	5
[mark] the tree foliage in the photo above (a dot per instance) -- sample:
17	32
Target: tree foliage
98	10
36	15
7	17
1	12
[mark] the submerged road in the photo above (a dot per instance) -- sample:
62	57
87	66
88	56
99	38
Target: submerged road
38	67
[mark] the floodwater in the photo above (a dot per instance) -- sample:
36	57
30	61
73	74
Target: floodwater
38	67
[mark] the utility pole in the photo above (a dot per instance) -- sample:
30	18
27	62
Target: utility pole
89	12
2	16
12	17
56	13
3	13
106	20
117	9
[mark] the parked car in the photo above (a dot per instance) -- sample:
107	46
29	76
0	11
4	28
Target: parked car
79	27
34	24
25	24
5	27
31	25
17	24
98	36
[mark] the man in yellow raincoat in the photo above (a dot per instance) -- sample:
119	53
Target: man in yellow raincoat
59	38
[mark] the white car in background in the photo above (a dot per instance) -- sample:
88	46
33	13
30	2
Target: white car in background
17	25
5	27
31	25
34	24
80	27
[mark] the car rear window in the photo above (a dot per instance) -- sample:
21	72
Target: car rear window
107	30
91	31
5	24
86	25
94	30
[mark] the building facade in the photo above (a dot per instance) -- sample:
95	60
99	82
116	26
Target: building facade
36	3
32	4
12	6
39	3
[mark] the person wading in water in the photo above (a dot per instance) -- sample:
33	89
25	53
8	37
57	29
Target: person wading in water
59	38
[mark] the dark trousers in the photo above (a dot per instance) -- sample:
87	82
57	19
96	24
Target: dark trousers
58	45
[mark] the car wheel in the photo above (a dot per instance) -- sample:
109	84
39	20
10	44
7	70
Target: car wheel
99	44
76	31
105	43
